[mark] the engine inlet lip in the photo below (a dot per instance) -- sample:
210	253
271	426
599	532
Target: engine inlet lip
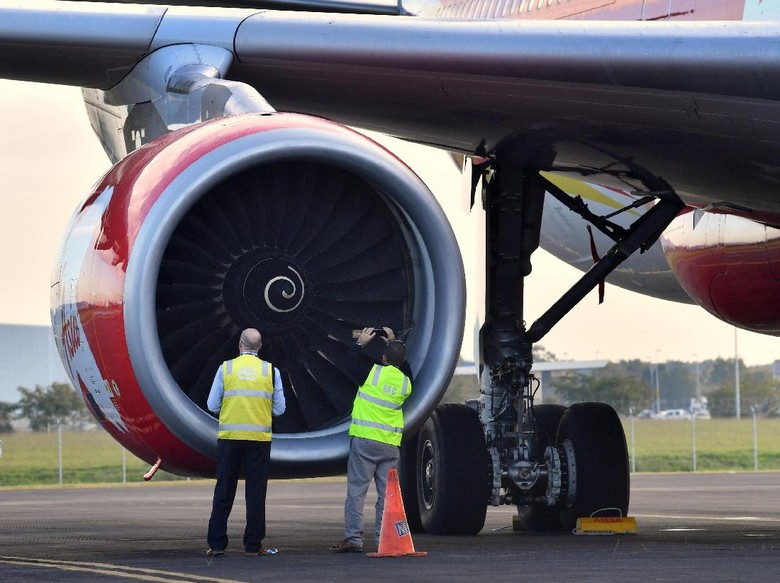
431	358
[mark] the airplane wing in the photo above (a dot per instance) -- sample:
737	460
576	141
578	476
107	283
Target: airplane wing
694	102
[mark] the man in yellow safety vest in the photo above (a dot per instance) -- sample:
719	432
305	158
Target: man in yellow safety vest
376	430
246	392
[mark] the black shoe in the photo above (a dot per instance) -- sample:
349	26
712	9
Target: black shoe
346	546
215	552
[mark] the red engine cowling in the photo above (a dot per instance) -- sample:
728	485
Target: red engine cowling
296	226
729	265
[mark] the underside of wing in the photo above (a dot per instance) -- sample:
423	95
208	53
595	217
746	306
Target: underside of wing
693	102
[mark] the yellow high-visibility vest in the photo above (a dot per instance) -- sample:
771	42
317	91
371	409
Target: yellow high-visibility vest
247	400
376	412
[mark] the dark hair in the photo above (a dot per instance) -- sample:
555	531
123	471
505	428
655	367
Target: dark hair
395	353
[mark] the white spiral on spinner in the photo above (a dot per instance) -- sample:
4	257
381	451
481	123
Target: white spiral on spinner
284	281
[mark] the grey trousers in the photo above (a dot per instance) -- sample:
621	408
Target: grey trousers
367	459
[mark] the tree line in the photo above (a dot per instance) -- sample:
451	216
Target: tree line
630	386
627	385
45	408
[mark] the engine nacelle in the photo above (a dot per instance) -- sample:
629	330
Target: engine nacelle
729	265
296	226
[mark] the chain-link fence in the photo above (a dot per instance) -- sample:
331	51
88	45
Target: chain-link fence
696	444
62	456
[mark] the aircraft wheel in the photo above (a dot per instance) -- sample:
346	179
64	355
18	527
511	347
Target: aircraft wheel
594	457
453	478
541	517
407	477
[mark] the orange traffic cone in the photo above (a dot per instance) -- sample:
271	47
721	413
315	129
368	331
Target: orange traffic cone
395	538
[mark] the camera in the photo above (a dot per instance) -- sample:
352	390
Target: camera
377	331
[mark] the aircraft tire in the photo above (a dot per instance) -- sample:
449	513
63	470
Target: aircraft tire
592	434
453	476
541	517
407	477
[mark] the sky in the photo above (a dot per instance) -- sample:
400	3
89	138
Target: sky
49	160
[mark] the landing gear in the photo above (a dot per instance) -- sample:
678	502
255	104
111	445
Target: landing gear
452	479
539	516
595	460
407	479
555	464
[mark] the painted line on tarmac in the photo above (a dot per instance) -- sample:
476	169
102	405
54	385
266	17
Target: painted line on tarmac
138	573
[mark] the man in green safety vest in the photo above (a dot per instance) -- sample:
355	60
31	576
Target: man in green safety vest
376	430
246	392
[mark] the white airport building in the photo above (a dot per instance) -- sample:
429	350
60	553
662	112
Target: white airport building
28	357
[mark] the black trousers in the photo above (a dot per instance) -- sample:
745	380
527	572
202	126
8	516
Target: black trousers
234	458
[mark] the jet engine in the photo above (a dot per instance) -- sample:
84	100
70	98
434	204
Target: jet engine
730	265
296	226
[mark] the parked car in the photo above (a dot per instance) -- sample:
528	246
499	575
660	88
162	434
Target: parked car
673	414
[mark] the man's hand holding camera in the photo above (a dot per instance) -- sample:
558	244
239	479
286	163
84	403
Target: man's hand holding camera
368	334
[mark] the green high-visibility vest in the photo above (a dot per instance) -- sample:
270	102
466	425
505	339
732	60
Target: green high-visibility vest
247	400
376	412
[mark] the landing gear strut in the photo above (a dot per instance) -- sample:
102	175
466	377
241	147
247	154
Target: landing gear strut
555	464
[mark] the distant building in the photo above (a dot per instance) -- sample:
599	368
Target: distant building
545	372
28	357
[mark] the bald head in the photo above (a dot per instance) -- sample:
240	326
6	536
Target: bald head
250	340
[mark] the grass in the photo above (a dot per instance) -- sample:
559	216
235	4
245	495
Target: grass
30	459
87	457
721	444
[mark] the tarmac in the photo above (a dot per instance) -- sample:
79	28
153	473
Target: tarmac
691	527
